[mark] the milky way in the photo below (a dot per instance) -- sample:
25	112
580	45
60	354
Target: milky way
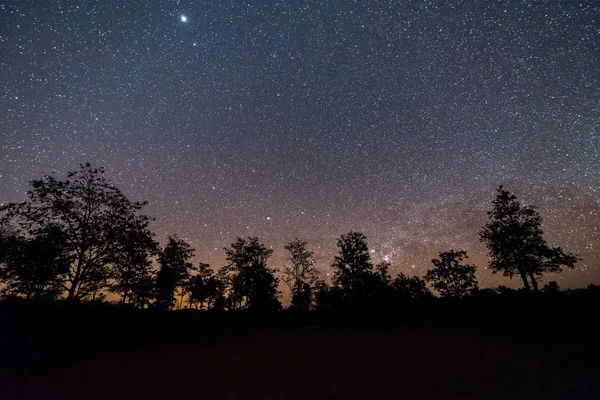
312	118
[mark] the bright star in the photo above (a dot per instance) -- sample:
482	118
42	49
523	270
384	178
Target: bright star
183	18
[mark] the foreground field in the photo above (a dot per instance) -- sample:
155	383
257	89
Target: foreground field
318	363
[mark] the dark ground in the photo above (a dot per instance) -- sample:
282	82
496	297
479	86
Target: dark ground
420	361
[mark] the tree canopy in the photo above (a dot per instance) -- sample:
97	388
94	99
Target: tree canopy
90	212
174	271
514	238
301	276
253	285
450	277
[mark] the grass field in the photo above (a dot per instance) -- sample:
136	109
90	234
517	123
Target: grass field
319	363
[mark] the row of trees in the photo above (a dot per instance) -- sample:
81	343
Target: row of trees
81	237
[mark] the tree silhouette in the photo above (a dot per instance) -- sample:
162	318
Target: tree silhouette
253	285
410	288
513	236
551	287
131	258
449	277
353	269
174	271
142	288
89	210
203	287
301	276
382	272
33	266
328	298
222	284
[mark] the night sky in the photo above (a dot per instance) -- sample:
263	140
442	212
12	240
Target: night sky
312	118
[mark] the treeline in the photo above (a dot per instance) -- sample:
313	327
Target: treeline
81	238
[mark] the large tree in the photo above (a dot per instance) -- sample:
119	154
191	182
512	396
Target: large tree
174	271
301	276
253	283
33	266
450	277
89	210
514	238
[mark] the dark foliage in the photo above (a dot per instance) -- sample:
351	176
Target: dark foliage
205	289
301	276
513	236
353	270
131	260
252	284
410	288
449	277
173	273
90	212
33	266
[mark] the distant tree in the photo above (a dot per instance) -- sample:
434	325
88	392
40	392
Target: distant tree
449	277
301	276
513	236
174	271
89	210
253	285
505	290
382	271
353	269
551	287
219	284
328	298
143	288
131	259
410	288
33	266
202	287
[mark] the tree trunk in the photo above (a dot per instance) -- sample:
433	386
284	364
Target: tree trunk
124	301
534	282
525	282
72	290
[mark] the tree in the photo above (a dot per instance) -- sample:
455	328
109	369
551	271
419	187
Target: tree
301	276
143	288
32	266
382	271
174	271
89	210
410	288
328	298
202	287
131	259
514	238
353	269
449	277
551	287
253	285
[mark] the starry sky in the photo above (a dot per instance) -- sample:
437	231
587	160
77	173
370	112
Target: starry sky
300	118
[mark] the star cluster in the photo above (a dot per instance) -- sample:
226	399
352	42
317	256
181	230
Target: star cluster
311	118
